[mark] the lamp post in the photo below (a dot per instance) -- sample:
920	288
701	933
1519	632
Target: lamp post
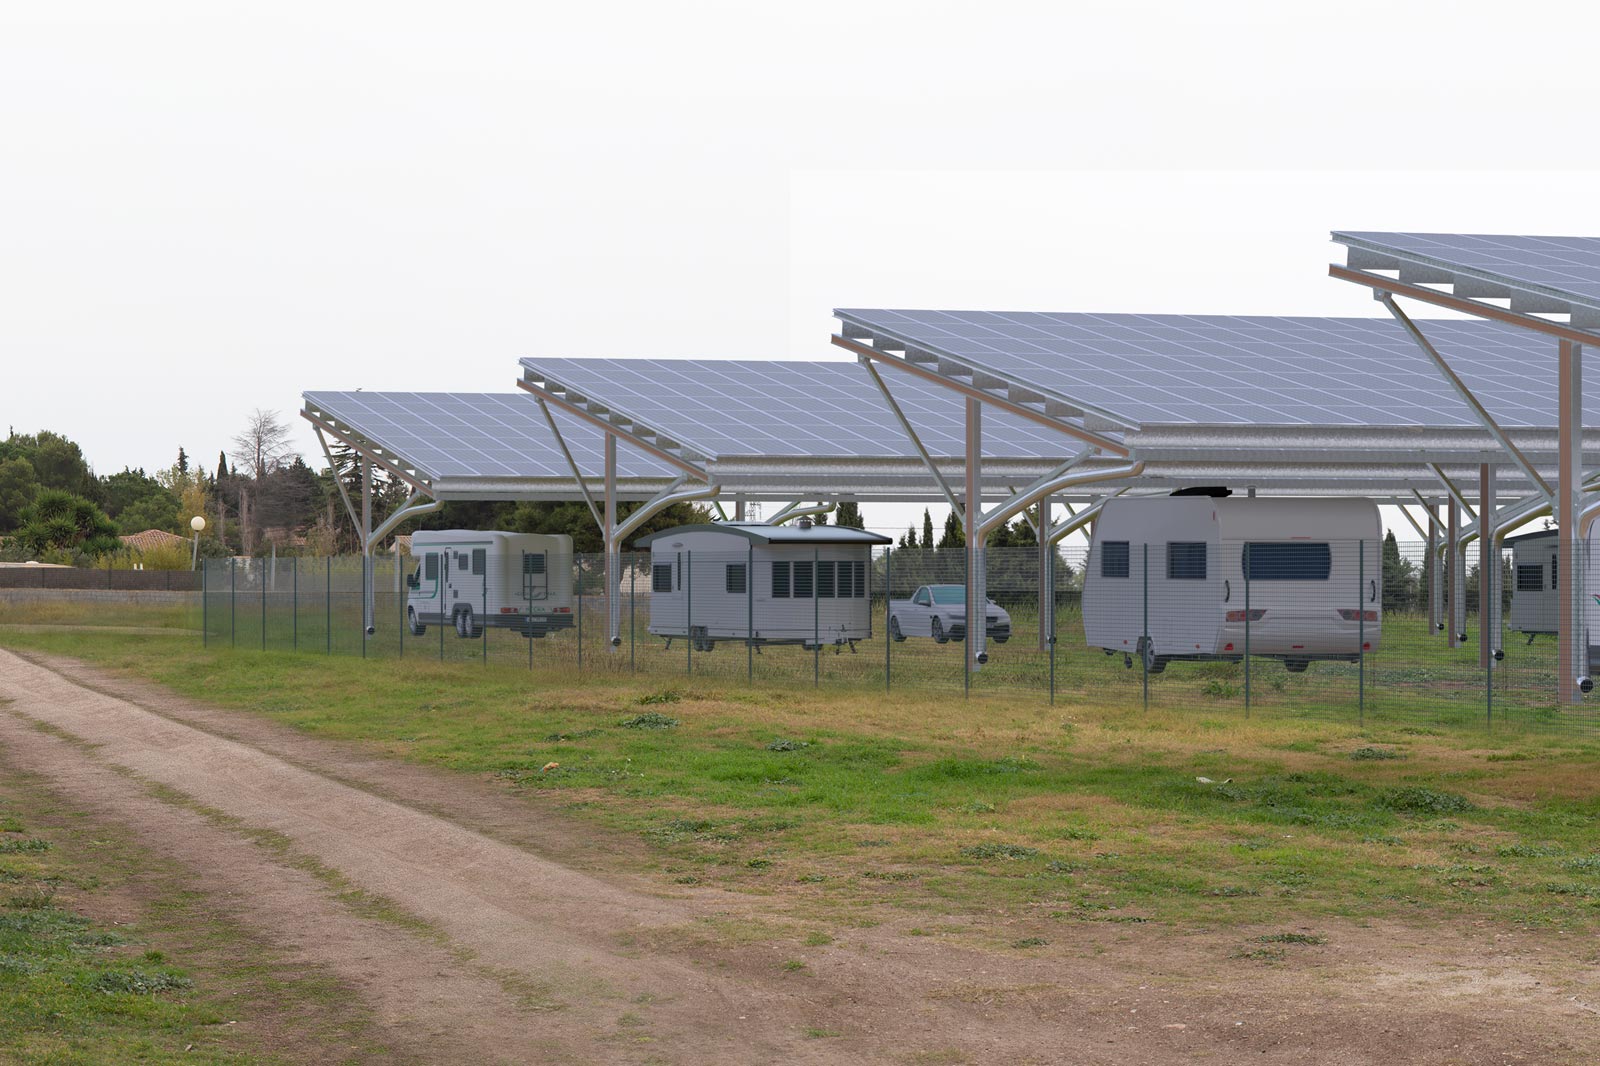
197	523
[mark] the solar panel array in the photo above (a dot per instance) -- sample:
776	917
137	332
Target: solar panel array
481	434
1564	266
810	409
1244	370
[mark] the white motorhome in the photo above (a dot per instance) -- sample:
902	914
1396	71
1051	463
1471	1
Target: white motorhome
470	578
1313	593
1534	572
802	584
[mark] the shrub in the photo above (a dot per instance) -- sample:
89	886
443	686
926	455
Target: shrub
1422	801
649	720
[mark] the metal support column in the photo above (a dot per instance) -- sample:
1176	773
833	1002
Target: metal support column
608	528
1047	592
367	591
1488	570
1453	600
1434	586
972	506
1572	645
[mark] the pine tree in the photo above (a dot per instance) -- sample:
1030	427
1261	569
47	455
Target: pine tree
849	516
183	462
222	466
954	536
927	529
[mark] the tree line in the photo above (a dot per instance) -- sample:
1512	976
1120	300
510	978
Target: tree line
260	498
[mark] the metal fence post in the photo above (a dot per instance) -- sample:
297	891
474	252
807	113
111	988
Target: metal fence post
205	622
1050	599
578	577
633	598
816	620
233	602
294	605
486	610
1247	692
688	610
366	561
444	563
327	606
1361	632
966	660
1144	639
750	613
888	618
263	611
401	596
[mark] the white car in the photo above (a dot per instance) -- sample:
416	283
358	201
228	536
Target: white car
940	612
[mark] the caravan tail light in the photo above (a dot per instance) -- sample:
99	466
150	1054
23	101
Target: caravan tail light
1255	614
562	610
508	610
1350	614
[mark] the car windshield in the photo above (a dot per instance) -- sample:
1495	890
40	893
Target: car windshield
951	594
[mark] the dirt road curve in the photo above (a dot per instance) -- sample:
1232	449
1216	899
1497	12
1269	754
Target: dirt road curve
510	936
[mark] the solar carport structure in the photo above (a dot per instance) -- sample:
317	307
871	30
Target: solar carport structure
775	429
1548	288
1297	405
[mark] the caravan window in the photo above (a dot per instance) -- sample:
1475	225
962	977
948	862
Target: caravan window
661	577
1553	572
1114	558
733	579
533	562
430	566
480	560
1186	560
1530	578
860	579
461	561
1291	561
825	574
780	580
802	581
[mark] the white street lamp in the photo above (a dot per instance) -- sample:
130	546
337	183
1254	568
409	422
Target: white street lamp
197	523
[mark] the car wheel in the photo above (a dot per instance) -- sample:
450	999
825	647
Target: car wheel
999	640
894	630
938	632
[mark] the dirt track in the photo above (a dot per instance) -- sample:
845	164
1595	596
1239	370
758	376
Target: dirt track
514	936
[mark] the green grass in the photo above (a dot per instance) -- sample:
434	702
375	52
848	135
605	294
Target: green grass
176	979
1088	812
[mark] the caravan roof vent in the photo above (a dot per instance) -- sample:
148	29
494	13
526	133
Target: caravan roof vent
804	522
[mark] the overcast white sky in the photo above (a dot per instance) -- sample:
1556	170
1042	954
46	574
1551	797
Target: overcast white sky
206	208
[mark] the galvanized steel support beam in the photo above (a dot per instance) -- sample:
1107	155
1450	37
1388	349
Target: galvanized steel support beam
1454	601
1047	592
1572	643
972	518
1484	418
1488	571
911	434
613	566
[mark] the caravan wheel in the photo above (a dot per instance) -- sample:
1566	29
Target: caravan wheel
1296	666
417	628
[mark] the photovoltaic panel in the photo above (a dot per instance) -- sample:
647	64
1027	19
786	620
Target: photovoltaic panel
1243	370
790	408
1563	267
479	434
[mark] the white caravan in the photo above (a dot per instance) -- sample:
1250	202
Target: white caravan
1534	571
802	584
1312	594
470	578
